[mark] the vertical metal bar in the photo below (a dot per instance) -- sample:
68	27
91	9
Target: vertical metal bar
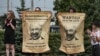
11	4
32	4
7	5
44	4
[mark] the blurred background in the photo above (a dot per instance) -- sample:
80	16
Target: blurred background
90	7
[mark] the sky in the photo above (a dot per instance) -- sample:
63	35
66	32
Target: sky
45	5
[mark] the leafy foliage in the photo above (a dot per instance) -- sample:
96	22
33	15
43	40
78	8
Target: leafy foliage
90	7
2	18
19	29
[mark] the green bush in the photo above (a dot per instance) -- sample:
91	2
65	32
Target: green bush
54	43
2	48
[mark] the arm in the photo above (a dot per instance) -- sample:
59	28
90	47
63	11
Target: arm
94	37
98	39
98	36
5	21
13	24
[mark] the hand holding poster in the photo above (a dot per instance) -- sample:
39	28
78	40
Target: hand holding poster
71	28
35	31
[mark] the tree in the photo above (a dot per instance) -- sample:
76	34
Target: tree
90	7
19	29
2	18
